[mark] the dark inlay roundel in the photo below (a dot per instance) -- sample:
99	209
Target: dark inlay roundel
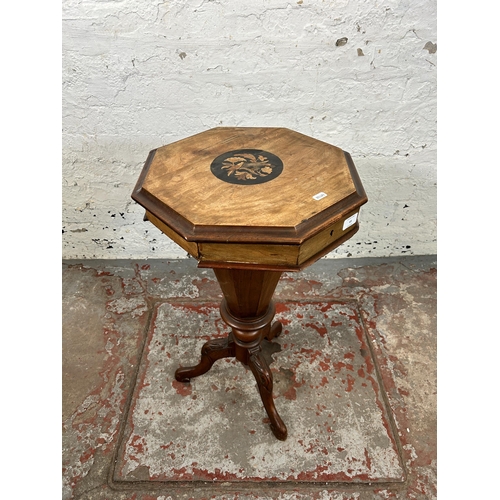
246	166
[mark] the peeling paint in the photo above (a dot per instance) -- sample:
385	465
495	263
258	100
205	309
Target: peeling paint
327	386
206	415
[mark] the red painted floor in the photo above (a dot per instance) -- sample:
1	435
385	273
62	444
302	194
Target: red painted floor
354	376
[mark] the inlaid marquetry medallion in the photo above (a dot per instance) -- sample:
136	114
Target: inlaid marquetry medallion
247	166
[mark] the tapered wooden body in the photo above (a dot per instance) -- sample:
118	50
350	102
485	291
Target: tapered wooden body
248	293
247	307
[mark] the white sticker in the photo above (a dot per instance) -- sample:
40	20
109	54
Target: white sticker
319	196
350	221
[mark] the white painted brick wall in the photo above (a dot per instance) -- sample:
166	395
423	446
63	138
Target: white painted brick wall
138	75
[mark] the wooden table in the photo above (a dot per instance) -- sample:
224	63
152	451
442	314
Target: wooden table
251	203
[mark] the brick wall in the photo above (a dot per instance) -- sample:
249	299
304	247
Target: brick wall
137	75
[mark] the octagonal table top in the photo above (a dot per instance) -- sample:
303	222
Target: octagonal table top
248	185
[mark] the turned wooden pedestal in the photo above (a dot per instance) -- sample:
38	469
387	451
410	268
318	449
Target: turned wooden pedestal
248	309
251	203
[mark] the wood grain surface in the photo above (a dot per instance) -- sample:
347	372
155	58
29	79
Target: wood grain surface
284	206
285	257
180	177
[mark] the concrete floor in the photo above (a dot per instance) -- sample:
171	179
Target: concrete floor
354	380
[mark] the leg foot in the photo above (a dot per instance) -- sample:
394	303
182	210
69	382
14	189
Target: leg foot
264	378
210	352
274	331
